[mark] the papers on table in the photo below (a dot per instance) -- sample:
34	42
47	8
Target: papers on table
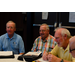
40	60
37	54
33	53
6	54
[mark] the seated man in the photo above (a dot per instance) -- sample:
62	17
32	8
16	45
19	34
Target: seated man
45	42
61	50
72	47
11	41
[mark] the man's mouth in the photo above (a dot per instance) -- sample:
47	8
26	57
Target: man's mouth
42	34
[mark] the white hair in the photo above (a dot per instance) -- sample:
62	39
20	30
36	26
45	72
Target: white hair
47	27
11	22
64	31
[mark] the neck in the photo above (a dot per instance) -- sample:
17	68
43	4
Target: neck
45	38
66	44
10	36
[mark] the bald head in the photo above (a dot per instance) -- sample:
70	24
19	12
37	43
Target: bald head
72	46
72	42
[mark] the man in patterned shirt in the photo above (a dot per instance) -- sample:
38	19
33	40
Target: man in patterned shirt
45	42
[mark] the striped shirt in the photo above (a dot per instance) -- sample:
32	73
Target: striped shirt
44	46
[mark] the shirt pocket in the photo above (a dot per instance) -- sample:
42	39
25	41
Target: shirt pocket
14	45
5	46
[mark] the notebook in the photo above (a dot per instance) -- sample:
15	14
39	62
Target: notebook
6	54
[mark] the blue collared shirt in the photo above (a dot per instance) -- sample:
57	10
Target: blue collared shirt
14	44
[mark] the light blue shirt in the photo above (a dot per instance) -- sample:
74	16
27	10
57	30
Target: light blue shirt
14	44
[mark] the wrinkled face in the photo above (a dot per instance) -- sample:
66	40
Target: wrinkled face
59	39
10	28
43	32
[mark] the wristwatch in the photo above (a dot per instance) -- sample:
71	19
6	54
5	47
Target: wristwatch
62	60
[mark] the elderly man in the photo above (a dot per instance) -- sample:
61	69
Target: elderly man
72	47
61	50
11	41
45	42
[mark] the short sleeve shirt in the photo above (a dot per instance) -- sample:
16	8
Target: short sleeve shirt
14	44
44	46
61	53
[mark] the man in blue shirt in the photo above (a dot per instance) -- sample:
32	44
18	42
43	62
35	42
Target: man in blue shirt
11	41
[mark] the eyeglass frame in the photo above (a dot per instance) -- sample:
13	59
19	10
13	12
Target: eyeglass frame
72	49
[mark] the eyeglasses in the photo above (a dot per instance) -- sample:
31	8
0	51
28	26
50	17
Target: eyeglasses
10	27
72	50
42	30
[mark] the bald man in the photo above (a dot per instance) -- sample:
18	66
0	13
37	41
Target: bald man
60	53
72	47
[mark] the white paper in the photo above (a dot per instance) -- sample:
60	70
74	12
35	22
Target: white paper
45	15
71	16
5	53
33	53
40	60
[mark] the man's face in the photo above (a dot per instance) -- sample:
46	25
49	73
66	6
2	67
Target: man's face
10	28
43	32
59	39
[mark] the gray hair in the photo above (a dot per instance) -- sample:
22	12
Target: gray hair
47	27
11	22
64	31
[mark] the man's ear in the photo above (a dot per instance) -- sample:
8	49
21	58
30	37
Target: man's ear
65	36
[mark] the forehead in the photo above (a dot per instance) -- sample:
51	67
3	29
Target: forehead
43	27
57	34
10	24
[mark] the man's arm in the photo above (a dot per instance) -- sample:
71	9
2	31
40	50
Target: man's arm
21	47
54	51
53	58
34	46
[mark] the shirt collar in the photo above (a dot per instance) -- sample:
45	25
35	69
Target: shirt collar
8	36
47	38
67	48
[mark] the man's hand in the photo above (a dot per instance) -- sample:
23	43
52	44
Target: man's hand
45	56
52	58
21	53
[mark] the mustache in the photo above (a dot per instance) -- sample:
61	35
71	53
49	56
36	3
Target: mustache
41	34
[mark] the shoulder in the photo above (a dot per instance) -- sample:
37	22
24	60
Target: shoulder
51	36
3	36
17	35
38	38
55	49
